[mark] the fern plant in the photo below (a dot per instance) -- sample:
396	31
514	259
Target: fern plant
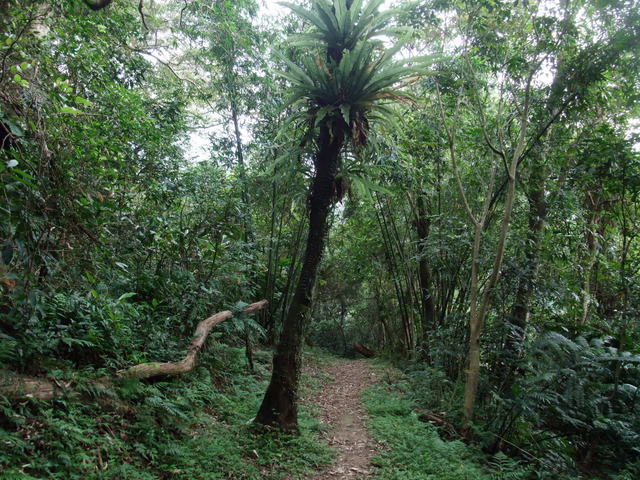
506	468
572	395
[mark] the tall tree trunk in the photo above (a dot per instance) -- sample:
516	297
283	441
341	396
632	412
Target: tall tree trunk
343	318
592	244
396	277
280	407
246	223
519	314
272	257
424	272
480	301
627	239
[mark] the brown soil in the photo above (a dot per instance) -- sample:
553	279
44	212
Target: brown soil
344	415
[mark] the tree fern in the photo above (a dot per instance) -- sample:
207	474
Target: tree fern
352	83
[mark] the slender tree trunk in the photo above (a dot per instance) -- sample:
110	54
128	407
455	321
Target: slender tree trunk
379	317
343	317
292	271
480	302
424	272
591	242
280	407
538	202
473	361
396	276
272	258
519	314
246	223
624	282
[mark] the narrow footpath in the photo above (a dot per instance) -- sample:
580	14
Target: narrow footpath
344	416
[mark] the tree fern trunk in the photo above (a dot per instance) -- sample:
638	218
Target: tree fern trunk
279	406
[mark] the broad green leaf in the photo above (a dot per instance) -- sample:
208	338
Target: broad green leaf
83	101
127	295
70	110
346	113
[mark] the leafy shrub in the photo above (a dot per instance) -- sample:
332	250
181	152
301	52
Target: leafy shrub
86	328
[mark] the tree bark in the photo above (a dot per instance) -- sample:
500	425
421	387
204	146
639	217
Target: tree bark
155	369
395	272
519	314
480	302
424	272
592	244
279	407
246	222
343	316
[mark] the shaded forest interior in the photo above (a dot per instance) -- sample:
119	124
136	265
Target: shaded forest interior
450	188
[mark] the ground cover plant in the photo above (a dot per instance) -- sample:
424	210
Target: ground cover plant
192	428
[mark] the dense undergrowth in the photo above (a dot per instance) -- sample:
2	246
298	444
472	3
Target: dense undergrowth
194	427
416	450
559	411
118	233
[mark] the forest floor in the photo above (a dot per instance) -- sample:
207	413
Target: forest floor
343	413
369	420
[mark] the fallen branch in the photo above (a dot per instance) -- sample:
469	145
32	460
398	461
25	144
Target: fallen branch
364	351
447	430
13	385
19	386
156	369
436	420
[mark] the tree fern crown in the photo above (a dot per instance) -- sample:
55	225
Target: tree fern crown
352	78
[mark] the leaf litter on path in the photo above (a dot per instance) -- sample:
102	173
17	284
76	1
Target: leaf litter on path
344	415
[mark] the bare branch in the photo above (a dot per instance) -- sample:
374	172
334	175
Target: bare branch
140	7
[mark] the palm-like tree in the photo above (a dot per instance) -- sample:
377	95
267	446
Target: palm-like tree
341	90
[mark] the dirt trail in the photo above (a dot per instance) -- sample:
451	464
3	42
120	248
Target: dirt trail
344	415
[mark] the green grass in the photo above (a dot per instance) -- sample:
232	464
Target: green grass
191	428
413	450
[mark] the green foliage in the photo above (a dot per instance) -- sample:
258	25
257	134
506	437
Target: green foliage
432	389
341	24
193	428
572	387
91	328
348	82
413	449
117	234
505	468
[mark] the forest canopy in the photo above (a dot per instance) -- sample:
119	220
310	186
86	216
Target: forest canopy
449	185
